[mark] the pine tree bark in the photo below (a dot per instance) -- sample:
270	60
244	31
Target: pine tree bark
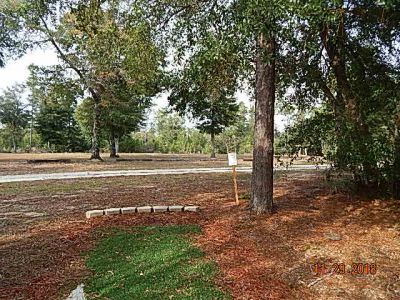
263	152
396	165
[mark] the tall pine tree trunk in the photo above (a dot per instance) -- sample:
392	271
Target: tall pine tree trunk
113	146
30	134
96	121
117	145
396	165
263	153
212	145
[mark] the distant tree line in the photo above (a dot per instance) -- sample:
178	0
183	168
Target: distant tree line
169	134
44	115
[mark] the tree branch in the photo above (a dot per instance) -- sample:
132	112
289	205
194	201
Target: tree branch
95	95
60	52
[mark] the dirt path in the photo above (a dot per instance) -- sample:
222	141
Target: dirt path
149	172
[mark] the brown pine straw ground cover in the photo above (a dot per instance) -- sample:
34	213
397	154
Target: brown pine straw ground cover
44	236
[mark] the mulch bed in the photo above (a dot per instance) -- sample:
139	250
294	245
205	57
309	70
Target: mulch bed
260	257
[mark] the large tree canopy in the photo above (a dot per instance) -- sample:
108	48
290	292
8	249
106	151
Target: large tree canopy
346	55
342	53
250	31
108	44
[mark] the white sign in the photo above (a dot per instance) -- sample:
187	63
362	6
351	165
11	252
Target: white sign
232	160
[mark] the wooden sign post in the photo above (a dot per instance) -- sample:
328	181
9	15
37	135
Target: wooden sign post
232	162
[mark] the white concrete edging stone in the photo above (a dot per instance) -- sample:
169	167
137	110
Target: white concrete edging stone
141	209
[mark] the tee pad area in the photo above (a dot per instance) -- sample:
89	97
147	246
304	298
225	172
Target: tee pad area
140	209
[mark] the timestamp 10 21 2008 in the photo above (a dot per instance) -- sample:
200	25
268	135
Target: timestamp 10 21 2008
355	269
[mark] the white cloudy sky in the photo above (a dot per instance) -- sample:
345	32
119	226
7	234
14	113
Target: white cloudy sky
17	72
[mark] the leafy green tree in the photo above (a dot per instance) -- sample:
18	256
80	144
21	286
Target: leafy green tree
124	111
143	141
58	128
237	137
252	31
205	88
13	114
117	118
345	54
315	132
84	116
171	135
56	95
103	42
155	138
197	142
10	44
127	67
33	109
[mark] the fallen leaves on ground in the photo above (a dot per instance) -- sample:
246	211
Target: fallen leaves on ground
259	256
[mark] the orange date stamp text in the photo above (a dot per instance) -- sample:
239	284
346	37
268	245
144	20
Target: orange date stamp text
355	269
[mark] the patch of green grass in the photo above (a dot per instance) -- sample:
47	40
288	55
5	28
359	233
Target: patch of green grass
151	263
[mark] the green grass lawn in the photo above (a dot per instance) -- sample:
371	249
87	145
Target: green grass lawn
151	263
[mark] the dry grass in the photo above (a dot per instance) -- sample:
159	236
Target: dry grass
17	163
12	164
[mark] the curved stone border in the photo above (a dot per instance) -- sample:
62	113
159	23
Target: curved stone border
140	209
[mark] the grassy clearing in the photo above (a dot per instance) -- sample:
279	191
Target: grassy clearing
13	164
47	187
39	188
151	263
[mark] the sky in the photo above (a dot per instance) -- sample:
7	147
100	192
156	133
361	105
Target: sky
17	72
